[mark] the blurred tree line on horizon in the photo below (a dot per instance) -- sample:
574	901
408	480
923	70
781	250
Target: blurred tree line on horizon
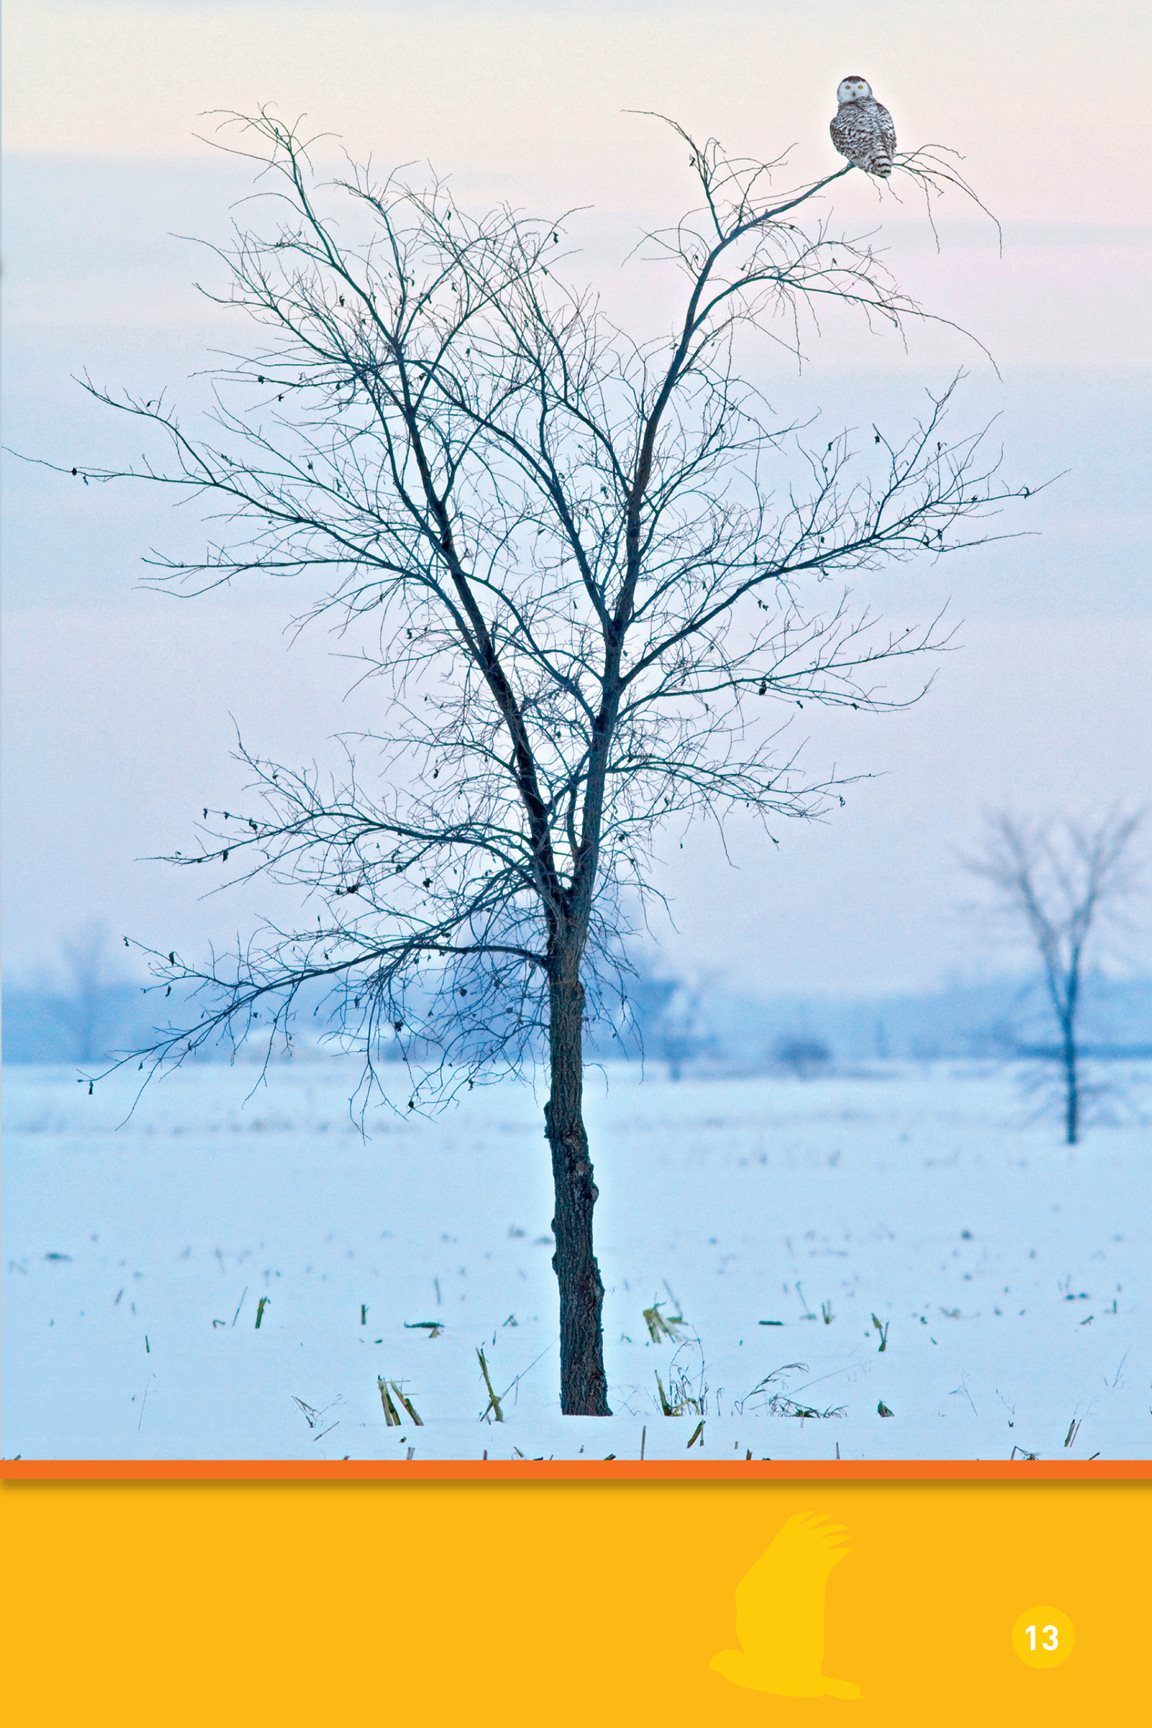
90	1008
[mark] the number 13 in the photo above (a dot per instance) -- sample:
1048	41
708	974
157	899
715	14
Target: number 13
1049	1641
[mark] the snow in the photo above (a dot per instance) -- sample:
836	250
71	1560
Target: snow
1006	1275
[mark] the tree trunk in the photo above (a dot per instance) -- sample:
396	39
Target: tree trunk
583	1384
1071	1092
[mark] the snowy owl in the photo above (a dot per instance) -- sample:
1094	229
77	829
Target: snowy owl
863	129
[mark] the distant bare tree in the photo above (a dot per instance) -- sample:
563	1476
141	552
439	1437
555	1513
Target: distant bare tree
682	1036
803	1055
584	569
1060	883
82	1001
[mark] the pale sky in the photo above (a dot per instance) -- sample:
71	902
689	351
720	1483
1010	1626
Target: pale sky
118	702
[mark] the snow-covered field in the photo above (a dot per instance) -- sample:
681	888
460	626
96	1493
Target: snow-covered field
891	1241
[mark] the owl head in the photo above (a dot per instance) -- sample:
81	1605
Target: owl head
853	90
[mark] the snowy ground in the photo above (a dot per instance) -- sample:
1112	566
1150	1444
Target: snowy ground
895	1239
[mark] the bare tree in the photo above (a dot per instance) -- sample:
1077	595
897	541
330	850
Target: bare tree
1059	884
681	1034
86	1001
586	572
803	1054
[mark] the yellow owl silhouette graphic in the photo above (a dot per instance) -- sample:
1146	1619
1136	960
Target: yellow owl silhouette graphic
780	1614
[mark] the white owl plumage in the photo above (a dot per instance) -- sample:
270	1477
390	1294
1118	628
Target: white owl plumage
863	130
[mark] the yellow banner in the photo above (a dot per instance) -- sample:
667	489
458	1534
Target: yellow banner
566	1603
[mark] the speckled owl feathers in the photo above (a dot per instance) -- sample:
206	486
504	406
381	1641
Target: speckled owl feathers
862	130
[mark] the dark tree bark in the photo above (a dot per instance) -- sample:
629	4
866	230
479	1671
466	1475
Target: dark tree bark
583	1382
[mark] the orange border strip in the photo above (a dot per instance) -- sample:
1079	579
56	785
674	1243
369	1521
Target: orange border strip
559	1470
